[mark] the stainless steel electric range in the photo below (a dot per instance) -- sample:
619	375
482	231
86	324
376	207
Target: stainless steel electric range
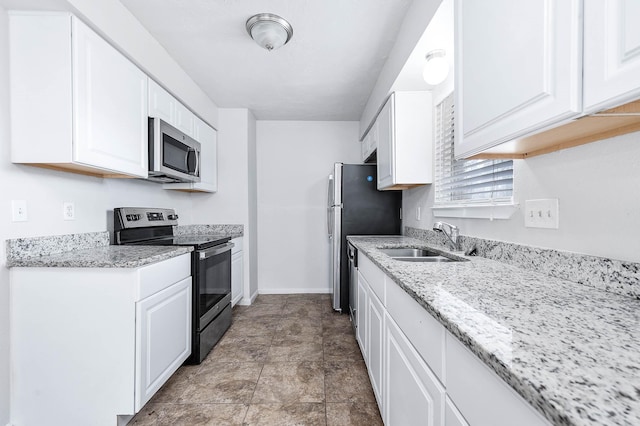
210	269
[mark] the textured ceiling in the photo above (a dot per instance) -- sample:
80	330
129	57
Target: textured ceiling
326	71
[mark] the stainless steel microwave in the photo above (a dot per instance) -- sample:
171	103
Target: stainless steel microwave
173	155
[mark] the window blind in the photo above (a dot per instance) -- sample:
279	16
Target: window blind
466	181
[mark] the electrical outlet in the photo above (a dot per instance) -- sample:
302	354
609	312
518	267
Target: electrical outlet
68	211
417	213
541	213
19	210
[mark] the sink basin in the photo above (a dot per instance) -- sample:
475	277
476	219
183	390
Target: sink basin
416	255
408	252
426	259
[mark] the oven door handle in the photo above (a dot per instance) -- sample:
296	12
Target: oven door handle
205	254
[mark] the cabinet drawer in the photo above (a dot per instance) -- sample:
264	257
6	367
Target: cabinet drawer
477	391
374	276
424	332
161	275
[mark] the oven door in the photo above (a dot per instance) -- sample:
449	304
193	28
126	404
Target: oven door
212	284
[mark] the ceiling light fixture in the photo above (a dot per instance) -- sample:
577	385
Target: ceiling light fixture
269	31
436	68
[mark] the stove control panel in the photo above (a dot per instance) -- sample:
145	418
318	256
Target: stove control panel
141	217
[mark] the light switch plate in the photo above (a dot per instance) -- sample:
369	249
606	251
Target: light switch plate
541	213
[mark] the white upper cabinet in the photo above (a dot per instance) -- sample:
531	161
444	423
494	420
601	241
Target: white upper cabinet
161	103
405	141
77	104
611	53
518	69
370	142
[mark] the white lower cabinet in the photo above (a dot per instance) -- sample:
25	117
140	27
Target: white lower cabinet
163	338
413	394
421	374
361	314
89	344
237	271
375	340
453	417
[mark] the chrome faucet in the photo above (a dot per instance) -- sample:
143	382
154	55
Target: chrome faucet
452	235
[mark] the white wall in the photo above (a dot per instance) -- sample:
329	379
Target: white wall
253	207
597	185
294	161
234	203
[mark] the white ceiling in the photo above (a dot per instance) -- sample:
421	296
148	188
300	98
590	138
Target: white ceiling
326	71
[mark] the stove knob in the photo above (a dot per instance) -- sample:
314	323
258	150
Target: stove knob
172	217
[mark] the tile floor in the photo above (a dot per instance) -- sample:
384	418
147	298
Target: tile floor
285	360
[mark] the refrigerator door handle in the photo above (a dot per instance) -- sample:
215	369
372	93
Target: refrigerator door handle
336	257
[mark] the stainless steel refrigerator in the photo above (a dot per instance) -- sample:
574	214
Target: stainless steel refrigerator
356	207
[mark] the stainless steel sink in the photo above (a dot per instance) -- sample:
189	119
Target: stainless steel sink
408	252
426	259
417	255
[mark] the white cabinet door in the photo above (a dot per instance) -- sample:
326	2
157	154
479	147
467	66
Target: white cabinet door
375	341
385	155
518	69
364	147
611	53
361	314
453	417
163	338
370	142
237	271
404	139
185	120
110	106
413	394
208	138
161	103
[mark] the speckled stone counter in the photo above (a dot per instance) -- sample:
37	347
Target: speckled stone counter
232	231
90	250
571	350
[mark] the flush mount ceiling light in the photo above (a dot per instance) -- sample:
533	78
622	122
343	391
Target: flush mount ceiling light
436	68
269	31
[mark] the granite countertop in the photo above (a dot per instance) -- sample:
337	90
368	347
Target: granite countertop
103	257
92	249
571	350
233	231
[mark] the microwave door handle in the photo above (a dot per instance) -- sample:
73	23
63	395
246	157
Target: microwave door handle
196	172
